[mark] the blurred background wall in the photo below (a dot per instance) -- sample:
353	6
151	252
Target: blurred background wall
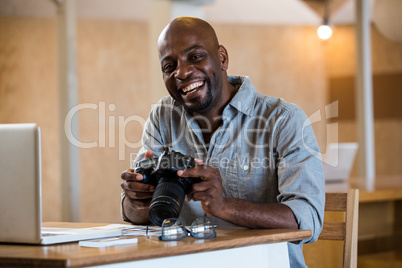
283	58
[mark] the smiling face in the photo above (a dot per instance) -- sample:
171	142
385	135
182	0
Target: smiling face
192	64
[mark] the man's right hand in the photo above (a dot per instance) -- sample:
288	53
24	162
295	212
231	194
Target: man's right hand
137	195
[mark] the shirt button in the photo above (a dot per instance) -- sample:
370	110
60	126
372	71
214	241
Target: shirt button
245	167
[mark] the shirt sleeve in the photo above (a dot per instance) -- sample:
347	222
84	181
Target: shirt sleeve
301	181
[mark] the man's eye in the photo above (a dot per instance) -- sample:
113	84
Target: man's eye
167	68
196	57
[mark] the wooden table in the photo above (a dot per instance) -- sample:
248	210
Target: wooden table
231	246
383	188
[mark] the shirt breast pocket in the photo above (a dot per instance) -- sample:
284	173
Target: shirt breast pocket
245	180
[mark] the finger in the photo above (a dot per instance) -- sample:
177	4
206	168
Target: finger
197	188
140	204
137	186
130	175
199	162
195	172
136	190
148	154
138	195
203	196
201	186
204	172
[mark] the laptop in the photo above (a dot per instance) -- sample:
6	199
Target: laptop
339	160
21	193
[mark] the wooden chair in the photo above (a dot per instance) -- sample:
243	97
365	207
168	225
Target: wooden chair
347	230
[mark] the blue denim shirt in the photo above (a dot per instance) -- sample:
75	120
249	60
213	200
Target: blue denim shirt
265	150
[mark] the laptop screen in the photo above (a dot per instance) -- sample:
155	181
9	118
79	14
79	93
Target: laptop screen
20	184
339	160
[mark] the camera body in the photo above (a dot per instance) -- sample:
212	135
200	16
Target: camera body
170	189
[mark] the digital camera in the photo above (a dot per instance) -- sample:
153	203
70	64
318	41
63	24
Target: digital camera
170	189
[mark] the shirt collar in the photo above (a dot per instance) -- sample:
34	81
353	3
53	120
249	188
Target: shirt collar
245	97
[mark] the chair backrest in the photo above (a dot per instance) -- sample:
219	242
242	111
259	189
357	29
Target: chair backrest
347	230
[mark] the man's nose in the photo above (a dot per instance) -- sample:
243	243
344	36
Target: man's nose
183	70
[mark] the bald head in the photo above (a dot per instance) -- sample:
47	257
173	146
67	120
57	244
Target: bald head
188	26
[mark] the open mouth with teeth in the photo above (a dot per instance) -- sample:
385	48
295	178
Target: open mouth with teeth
192	87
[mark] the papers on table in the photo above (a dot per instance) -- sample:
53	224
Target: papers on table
128	235
109	242
133	230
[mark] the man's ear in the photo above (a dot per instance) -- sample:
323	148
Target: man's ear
224	57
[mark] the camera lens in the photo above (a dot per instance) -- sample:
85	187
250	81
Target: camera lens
167	200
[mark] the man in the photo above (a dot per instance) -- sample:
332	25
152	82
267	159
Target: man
253	151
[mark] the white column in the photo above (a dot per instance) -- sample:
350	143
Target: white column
160	17
364	91
68	97
190	9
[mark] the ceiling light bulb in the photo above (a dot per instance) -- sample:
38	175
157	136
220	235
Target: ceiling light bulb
324	32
